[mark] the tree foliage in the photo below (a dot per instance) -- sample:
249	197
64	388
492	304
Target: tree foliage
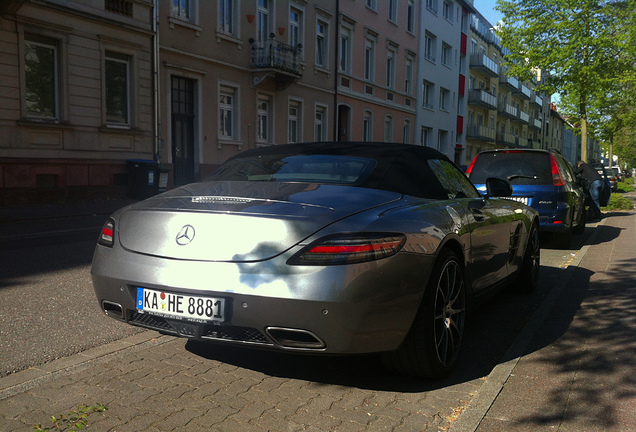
584	49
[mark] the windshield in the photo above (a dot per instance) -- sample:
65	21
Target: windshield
336	169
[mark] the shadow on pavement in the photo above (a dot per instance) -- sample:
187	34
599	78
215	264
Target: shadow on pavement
591	358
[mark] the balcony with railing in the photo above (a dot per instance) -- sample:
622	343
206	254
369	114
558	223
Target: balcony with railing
508	83
484	64
535	99
277	60
524	117
507	110
522	91
535	123
480	133
482	98
522	142
506	139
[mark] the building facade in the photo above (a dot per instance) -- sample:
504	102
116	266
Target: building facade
90	85
503	112
442	71
77	96
240	74
377	60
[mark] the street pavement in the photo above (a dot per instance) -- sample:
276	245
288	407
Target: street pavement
571	368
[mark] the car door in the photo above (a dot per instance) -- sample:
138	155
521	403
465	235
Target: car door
487	221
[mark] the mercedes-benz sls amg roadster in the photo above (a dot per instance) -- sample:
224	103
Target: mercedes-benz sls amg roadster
342	248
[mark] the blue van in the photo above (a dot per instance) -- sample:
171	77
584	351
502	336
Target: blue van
542	179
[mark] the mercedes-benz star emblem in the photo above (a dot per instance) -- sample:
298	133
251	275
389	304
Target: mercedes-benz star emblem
186	235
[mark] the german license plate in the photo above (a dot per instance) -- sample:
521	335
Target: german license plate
181	306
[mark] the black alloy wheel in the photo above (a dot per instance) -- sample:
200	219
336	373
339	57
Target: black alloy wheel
432	346
529	272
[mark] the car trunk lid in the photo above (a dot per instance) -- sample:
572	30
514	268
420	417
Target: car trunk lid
238	221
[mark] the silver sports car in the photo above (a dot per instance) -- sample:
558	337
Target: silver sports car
320	248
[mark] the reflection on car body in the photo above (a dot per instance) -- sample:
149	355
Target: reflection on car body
320	248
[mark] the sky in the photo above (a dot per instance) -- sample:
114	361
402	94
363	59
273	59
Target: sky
487	9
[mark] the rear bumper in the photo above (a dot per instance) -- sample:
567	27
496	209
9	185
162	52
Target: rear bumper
362	308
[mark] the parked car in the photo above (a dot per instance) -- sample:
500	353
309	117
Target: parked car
320	248
616	171
608	176
542	179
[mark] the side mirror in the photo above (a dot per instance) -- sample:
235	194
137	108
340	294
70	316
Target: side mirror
496	187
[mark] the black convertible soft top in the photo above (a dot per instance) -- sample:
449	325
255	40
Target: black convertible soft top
401	168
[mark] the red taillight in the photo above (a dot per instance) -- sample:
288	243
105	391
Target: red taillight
349	249
557	179
107	235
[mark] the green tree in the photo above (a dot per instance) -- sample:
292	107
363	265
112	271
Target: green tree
579	45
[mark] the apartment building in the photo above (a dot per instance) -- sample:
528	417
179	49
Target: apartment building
240	74
503	112
76	96
377	61
441	77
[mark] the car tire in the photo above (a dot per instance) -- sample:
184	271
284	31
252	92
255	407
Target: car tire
528	278
564	239
582	221
431	348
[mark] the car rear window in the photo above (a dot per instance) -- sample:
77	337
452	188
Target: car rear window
518	167
334	169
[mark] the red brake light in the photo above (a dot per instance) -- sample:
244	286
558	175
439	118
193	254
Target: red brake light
106	238
557	180
349	249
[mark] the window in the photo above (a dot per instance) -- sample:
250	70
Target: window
446	55
431	5
227	108
388	129
443	99
124	7
442	138
427	95
447	10
429	46
367	126
321	44
425	139
410	17
406	132
262	23
263	108
408	76
372	4
41	77
320	124
453	181
390	69
393	10
293	122
182	9
295	27
369	60
345	50
117	83
227	16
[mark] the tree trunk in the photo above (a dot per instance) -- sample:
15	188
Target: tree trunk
583	109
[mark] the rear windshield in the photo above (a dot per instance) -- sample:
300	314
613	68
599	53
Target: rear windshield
300	168
522	168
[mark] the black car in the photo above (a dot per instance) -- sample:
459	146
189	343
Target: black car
542	179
